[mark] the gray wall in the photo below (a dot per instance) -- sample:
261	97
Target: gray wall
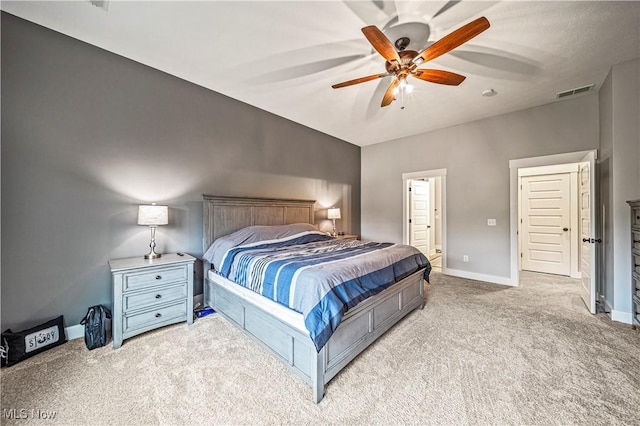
619	179
476	156
88	135
606	189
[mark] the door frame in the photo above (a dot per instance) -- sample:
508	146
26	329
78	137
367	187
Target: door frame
514	190
572	170
406	177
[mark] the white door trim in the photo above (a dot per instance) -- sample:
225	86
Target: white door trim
426	174
514	165
432	216
406	177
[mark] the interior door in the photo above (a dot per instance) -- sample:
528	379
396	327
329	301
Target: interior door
588	232
419	221
546	221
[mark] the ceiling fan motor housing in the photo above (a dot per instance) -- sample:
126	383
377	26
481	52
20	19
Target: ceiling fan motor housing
402	43
406	57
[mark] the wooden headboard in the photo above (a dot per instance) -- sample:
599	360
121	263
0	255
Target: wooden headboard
224	215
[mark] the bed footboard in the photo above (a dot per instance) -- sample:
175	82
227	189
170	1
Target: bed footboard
359	328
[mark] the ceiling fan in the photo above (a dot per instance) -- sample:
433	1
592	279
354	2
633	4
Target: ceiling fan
403	63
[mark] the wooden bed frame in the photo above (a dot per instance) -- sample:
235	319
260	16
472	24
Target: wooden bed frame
360	326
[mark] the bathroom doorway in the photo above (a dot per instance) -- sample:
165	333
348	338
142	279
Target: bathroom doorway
424	214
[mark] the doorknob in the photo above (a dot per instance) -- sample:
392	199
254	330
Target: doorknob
565	229
585	240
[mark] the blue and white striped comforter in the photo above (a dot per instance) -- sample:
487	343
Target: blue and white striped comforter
319	276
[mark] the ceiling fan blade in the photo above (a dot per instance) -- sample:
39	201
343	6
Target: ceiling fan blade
453	40
439	76
358	80
389	95
381	43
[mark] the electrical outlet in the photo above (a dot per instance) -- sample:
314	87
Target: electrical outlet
465	258
491	222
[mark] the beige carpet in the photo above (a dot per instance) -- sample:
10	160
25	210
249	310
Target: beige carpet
478	354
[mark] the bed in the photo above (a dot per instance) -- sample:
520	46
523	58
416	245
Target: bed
313	355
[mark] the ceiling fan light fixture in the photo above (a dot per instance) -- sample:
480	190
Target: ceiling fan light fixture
408	88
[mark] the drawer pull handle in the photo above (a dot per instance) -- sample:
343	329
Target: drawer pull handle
158	296
158	315
158	277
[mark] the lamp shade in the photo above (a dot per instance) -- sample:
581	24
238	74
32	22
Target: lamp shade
333	213
153	215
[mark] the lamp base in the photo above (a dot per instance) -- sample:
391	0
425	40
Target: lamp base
152	254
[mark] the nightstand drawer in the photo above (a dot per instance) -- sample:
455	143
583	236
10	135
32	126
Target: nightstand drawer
158	296
155	317
134	281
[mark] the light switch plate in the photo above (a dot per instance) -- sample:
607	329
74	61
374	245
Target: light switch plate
491	222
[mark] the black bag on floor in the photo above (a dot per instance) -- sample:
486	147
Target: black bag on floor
96	323
20	345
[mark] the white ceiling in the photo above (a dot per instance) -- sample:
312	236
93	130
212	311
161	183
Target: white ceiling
283	57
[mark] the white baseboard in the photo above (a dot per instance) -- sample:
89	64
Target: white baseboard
620	316
74	332
480	277
607	306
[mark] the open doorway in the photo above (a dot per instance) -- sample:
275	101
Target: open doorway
424	214
548	219
550	235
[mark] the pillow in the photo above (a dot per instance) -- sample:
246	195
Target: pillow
252	234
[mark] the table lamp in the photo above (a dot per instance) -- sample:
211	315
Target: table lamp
333	214
153	216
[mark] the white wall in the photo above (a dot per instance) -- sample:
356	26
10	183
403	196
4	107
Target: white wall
476	156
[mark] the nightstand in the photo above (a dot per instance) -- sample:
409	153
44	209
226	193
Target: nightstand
347	237
148	294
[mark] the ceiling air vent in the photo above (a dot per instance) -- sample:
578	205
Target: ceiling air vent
566	93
